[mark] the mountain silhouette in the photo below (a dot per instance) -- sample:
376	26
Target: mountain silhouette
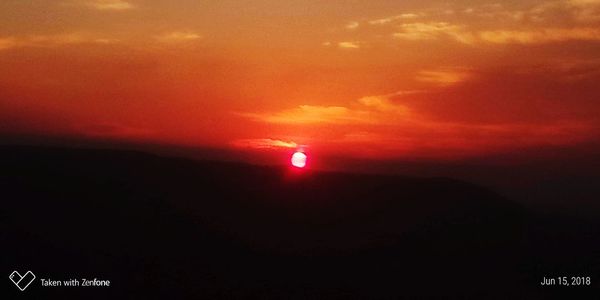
160	227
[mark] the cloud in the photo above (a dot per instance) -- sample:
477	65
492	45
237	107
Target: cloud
352	25
105	41
494	12
586	10
110	5
311	114
52	40
179	36
383	103
540	36
349	45
553	21
442	77
433	30
391	19
460	33
58	39
549	12
490	111
579	11
263	143
366	110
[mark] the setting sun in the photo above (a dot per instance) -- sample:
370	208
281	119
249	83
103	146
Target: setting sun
299	160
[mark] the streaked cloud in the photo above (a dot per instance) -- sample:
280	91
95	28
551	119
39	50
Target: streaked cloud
497	23
311	114
380	126
263	143
581	11
587	10
540	36
433	30
52	40
461	34
110	5
106	41
58	39
442	77
366	110
349	45
391	19
179	36
352	25
384	104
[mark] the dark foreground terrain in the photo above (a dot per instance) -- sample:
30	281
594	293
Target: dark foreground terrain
167	228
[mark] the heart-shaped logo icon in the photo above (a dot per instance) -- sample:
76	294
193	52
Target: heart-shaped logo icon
22	281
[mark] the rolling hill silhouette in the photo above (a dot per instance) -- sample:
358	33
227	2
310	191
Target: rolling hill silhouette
175	228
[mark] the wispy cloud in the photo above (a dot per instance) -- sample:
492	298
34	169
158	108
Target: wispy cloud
391	19
553	21
179	36
433	30
460	33
352	25
263	143
540	36
311	114
384	125
349	45
52	40
581	11
110	5
366	110
442	77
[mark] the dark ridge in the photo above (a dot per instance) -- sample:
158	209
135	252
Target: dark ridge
161	227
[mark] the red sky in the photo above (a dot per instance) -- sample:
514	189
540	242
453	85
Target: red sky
360	79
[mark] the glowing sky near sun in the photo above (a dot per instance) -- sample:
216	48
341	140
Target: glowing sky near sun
378	78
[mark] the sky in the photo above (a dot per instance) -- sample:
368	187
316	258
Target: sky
377	79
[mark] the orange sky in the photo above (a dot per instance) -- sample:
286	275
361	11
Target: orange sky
369	79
